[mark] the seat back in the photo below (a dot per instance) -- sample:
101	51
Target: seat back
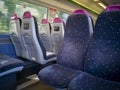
45	34
57	33
78	33
103	60
32	41
15	27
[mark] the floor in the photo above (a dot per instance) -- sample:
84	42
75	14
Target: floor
32	83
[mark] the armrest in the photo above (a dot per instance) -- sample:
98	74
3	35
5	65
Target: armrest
85	81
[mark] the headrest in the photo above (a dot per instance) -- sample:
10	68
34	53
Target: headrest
44	21
27	14
57	20
14	17
80	11
113	8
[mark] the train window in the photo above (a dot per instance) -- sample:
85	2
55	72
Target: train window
38	11
4	17
8	7
13	26
63	16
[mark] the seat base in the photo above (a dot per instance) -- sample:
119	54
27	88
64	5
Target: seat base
57	76
8	82
30	68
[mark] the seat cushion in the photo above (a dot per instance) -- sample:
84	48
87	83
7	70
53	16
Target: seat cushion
7	63
85	81
57	75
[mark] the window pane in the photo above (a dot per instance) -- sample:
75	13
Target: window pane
3	17
38	11
63	16
8	7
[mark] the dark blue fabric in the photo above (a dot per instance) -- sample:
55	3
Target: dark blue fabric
20	22
72	53
104	57
57	75
41	43
7	63
88	82
75	43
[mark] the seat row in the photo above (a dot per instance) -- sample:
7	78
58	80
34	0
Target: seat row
29	44
87	60
32	43
52	34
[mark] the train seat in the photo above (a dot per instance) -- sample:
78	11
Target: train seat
15	28
73	51
32	40
45	34
57	33
8	69
102	69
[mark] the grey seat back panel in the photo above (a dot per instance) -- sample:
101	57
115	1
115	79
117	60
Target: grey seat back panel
45	34
31	39
57	34
15	35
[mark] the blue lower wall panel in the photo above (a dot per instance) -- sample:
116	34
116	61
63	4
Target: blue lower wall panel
6	47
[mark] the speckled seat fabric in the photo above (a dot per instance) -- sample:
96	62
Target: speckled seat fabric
73	51
102	69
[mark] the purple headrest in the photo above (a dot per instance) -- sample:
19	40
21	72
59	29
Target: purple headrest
80	11
14	17
27	14
57	20
113	8
44	21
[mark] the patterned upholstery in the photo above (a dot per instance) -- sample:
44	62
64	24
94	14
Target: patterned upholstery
57	75
105	52
72	52
75	43
86	81
103	64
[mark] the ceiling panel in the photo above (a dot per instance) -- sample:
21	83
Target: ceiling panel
110	2
95	6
